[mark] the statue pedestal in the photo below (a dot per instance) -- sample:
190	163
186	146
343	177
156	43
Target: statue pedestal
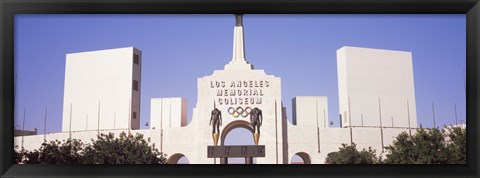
256	137
215	139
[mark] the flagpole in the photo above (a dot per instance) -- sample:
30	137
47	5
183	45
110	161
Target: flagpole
98	120
23	125
45	125
70	130
129	115
456	119
408	113
381	126
433	114
465	82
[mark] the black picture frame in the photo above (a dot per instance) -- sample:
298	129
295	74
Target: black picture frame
9	8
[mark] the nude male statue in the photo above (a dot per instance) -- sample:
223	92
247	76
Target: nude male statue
216	118
256	119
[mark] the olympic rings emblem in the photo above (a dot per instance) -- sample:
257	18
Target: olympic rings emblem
239	111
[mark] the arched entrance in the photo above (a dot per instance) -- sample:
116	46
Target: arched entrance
177	158
237	133
301	158
233	125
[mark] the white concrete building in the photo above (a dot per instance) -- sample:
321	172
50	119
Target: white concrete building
238	86
233	91
376	87
102	90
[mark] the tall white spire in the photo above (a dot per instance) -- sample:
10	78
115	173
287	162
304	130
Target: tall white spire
238	60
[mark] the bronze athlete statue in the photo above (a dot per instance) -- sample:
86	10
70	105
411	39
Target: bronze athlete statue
216	118
256	119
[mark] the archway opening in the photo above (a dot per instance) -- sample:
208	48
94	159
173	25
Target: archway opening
238	133
233	125
296	160
183	160
177	158
301	158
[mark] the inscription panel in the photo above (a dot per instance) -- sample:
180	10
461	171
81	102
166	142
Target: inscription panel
236	151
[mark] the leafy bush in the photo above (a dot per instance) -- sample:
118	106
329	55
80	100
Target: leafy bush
350	155
429	147
107	149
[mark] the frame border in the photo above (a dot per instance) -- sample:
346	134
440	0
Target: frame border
8	9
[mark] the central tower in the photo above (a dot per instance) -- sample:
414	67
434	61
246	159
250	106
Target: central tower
238	60
234	91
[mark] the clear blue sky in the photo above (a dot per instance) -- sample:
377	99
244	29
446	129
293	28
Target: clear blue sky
178	49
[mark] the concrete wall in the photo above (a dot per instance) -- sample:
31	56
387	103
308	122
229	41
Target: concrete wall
168	112
98	84
304	139
313	142
301	139
312	109
371	81
34	141
310	115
